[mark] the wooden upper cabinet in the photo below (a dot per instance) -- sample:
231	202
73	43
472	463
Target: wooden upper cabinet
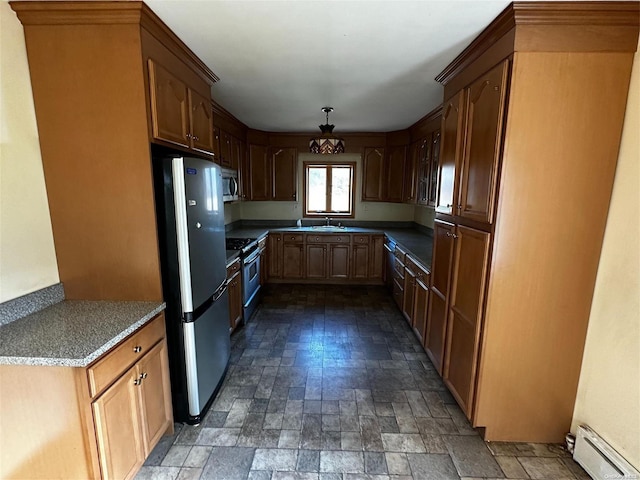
202	137
483	144
169	106
450	154
284	165
216	144
395	174
179	114
236	153
433	168
470	268
424	161
372	174
412	172
226	150
259	173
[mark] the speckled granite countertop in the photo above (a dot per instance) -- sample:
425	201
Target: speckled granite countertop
417	243
72	333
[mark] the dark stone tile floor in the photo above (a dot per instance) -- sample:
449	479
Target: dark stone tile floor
329	383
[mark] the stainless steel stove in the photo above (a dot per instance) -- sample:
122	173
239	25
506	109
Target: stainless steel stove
250	256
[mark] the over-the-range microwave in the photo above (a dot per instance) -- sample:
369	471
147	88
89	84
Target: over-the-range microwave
229	185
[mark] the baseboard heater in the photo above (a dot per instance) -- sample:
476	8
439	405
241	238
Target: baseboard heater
599	459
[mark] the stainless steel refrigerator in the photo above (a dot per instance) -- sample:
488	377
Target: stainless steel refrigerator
190	214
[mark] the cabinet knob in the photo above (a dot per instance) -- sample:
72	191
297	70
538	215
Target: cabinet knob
339	238
196	138
189	135
143	375
137	349
454	235
293	196
137	381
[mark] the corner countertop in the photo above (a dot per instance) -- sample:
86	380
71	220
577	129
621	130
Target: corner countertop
72	333
415	242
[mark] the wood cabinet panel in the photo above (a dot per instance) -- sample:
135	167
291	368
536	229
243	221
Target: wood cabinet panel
373	174
360	261
440	284
274	242
483	144
155	394
169	106
226	150
412	171
376	262
407	301
421	309
259	173
433	168
424	161
452	136
466	310
284	163
293	260
234	291
339	256
316	261
216	144
118	428
201	119
395	170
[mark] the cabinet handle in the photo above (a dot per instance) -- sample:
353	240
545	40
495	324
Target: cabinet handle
459	207
137	349
454	235
137	381
196	138
339	238
293	196
189	135
143	375
448	234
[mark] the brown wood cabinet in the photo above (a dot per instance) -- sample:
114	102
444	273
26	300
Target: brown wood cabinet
226	149
112	412
339	260
373	174
292	256
316	261
274	255
273	173
469	275
514	295
441	282
234	291
433	168
179	114
408	287
394	174
376	262
421	303
264	259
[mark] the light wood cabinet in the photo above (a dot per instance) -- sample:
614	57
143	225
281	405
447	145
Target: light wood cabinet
469	275
234	291
226	149
452	134
440	284
112	412
179	115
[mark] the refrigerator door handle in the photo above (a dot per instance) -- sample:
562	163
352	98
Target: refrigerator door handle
182	233
220	291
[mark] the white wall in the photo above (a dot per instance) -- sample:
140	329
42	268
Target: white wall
27	254
609	390
424	215
294	210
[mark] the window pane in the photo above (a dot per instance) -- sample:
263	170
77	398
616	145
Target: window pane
340	189
317	194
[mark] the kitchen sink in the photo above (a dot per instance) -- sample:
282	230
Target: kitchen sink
329	228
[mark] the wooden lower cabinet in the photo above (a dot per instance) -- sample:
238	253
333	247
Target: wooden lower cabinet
407	300
292	257
360	261
465	313
234	292
420	308
339	257
274	247
316	261
87	424
376	261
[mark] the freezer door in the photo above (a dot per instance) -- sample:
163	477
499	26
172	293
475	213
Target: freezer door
200	229
207	350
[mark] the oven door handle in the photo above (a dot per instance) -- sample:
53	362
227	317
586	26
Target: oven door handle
251	258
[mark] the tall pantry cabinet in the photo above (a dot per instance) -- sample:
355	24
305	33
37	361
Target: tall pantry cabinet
532	118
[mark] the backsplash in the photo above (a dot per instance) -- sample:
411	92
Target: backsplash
30	303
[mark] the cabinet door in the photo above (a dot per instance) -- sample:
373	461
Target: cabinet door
451	138
118	428
169	106
292	260
226	149
317	261
284	163
339	261
376	263
155	390
440	283
236	153
420	308
274	245
235	300
407	301
372	174
483	144
216	145
360	261
412	168
465	314
433	168
201	118
395	174
259	173
424	161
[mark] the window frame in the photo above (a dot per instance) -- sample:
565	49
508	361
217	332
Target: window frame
329	166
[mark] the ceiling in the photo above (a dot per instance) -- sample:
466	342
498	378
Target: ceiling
280	62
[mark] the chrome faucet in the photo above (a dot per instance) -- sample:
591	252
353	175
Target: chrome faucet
328	220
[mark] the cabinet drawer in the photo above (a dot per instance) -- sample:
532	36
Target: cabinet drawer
233	268
417	268
292	238
399	253
361	239
328	238
398	271
114	363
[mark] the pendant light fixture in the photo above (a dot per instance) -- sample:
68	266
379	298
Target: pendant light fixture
326	143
